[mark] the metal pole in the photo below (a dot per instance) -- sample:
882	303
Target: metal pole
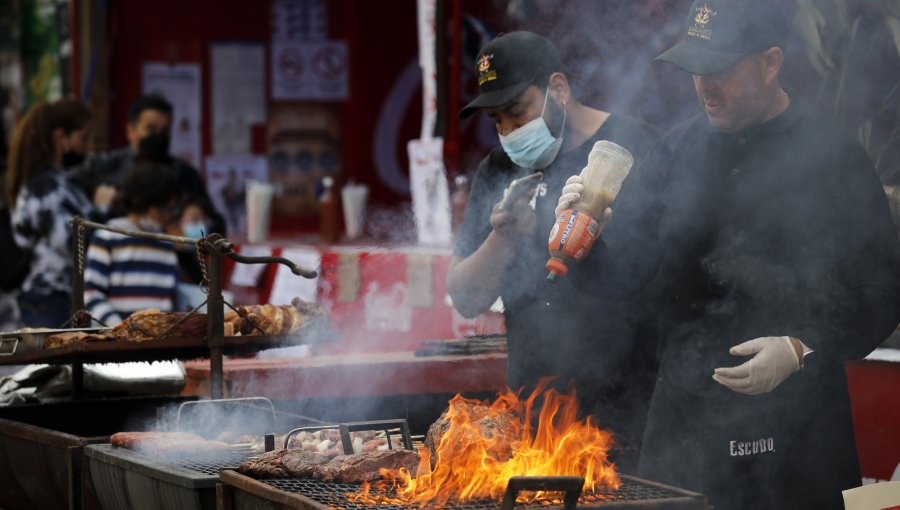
79	240
216	328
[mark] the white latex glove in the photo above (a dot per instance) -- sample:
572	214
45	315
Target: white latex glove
571	193
774	361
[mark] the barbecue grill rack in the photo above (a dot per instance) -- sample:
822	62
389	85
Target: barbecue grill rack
213	345
240	492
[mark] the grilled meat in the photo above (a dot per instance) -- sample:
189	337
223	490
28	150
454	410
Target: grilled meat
488	424
271	319
151	324
168	444
298	463
75	337
366	467
286	463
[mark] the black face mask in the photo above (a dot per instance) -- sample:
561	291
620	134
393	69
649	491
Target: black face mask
72	158
154	147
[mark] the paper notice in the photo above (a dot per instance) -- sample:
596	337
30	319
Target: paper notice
180	84
348	277
419	278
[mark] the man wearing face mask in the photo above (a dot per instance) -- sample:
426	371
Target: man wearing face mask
552	329
148	133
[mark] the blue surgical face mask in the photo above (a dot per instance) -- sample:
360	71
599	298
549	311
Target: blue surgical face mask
195	230
532	146
148	224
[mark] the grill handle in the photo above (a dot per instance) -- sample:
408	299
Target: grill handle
384	425
256	403
571	485
346	428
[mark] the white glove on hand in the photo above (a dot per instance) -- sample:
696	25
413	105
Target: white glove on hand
774	361
571	193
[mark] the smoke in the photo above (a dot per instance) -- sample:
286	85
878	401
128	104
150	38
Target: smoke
747	287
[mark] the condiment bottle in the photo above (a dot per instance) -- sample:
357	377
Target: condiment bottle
577	228
328	212
458	201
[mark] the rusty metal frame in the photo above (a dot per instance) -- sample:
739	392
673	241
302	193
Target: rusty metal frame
216	247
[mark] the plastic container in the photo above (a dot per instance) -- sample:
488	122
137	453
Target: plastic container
577	228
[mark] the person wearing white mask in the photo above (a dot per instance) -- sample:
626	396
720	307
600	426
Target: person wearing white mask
501	252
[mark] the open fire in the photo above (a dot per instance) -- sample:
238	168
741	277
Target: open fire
486	444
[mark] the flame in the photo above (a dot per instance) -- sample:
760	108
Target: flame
485	445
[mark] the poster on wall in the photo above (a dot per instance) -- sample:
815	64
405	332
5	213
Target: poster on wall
309	70
304	146
299	19
238	94
226	176
180	84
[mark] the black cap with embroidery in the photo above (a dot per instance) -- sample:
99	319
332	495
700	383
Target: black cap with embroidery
508	64
721	32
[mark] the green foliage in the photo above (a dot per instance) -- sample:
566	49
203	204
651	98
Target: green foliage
40	50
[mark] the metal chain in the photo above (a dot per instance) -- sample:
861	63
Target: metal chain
80	239
204	282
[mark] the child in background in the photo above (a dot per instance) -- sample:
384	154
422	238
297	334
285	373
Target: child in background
127	274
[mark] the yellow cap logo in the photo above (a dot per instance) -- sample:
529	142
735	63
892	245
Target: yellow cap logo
704	14
702	17
485	74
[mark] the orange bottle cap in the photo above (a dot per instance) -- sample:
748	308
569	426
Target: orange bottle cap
557	269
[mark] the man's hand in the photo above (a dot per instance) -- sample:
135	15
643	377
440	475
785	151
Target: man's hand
516	222
104	196
774	359
571	193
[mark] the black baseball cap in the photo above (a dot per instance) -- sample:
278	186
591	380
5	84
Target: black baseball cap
721	32
508	64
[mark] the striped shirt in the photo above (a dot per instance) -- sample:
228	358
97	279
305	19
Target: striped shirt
127	274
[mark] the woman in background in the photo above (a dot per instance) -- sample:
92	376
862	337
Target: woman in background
43	201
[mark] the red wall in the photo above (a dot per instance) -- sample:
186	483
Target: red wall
381	43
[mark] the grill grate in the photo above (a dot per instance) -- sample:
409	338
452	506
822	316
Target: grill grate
334	495
209	465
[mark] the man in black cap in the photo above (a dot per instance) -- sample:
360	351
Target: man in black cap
777	260
552	330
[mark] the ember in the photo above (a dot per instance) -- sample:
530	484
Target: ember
474	462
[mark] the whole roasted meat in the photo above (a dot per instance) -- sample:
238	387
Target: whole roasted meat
468	422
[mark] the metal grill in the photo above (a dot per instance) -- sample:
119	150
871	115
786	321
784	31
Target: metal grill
209	465
334	495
